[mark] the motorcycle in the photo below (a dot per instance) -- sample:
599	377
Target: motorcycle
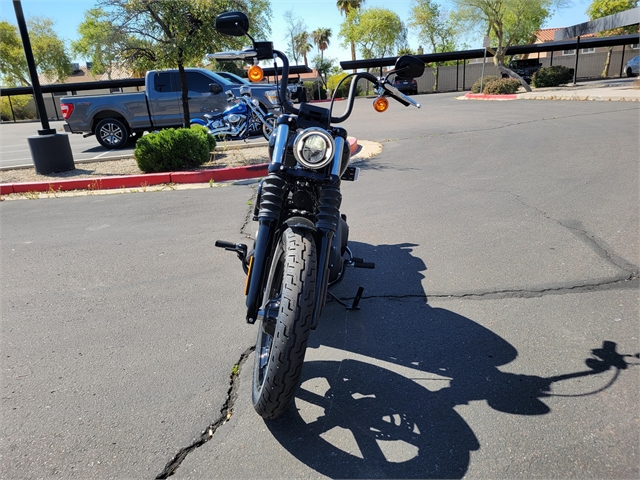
301	247
240	120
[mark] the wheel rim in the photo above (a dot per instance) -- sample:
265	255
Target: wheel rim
270	309
269	126
254	123
111	133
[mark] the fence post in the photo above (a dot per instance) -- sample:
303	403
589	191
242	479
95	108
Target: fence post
464	73
11	107
575	71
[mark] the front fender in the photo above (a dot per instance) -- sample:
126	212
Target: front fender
198	121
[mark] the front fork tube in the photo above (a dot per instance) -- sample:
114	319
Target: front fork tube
326	226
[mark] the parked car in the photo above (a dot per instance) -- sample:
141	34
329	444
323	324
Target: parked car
525	68
409	86
632	68
115	118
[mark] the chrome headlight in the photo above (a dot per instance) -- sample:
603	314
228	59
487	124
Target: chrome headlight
313	148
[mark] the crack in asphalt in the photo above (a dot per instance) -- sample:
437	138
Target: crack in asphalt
632	281
225	415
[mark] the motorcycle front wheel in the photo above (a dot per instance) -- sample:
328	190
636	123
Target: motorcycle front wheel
268	127
283	334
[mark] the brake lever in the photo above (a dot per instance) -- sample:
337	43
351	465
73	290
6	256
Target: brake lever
399	96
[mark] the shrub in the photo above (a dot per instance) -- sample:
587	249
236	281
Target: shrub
476	86
22	108
343	91
173	149
552	76
501	86
312	91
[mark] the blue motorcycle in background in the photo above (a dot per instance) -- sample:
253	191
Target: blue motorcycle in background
240	120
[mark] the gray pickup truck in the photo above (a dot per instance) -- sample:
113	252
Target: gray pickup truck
116	118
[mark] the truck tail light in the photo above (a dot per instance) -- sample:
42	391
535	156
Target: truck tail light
67	110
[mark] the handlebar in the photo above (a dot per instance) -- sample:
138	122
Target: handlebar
381	85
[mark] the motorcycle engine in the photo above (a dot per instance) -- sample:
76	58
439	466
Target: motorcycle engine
235	119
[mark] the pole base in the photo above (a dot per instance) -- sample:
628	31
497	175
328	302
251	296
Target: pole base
51	153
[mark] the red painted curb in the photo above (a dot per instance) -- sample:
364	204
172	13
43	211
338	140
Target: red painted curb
482	96
148	179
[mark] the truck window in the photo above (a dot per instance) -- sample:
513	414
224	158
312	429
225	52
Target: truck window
198	82
162	82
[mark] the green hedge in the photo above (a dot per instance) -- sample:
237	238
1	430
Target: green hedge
312	91
501	86
493	85
552	76
476	86
174	149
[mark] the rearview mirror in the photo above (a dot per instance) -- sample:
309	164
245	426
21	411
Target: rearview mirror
235	24
408	67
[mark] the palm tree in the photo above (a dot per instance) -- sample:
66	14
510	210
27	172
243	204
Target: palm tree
303	46
320	37
346	6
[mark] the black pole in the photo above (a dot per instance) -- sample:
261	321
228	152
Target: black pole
55	109
622	61
575	70
33	72
464	73
551	63
11	107
457	75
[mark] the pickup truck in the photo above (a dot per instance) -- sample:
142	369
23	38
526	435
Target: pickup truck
116	118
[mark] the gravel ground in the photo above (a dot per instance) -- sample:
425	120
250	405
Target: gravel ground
228	158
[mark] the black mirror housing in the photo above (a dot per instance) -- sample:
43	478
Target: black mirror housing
408	67
215	88
235	24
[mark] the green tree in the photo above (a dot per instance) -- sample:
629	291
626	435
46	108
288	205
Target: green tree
507	23
347	7
321	37
603	8
100	41
377	32
48	50
175	33
436	27
323	67
303	46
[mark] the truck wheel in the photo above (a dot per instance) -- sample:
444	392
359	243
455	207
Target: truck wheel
111	133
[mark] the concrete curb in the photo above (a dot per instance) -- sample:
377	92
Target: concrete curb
148	179
482	96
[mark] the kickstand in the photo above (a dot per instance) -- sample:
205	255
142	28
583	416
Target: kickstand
356	300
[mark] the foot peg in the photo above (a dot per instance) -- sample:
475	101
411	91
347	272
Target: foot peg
239	248
360	263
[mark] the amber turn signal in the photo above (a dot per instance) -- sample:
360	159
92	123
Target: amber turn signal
380	104
255	73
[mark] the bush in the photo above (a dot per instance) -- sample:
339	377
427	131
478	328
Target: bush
552	76
343	91
173	149
22	108
312	91
476	86
501	86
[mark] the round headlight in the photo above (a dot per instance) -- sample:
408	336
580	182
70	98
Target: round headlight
313	148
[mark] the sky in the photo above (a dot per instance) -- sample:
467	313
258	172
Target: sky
68	14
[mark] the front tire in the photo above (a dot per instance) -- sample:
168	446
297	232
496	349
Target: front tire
282	337
111	133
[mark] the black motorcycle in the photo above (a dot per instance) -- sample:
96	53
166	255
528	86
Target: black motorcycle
301	248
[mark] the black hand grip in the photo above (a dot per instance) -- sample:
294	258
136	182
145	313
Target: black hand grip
223	244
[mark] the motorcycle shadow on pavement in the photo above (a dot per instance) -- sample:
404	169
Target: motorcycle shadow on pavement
385	407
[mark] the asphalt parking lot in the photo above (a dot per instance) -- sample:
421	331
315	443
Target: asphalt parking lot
498	335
